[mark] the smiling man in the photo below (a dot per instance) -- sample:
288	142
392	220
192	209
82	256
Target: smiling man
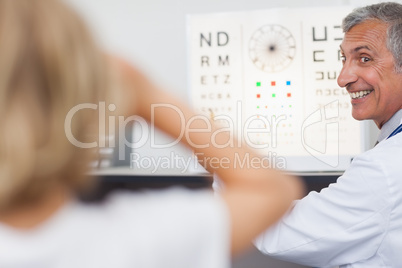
371	72
357	221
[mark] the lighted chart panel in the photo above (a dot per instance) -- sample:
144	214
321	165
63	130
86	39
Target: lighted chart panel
271	77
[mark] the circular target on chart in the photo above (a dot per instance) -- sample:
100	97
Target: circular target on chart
272	48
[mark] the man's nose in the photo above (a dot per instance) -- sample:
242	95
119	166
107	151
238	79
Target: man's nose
347	75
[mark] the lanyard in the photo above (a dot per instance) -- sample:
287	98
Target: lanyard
396	131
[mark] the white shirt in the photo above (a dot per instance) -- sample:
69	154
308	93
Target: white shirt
356	222
173	228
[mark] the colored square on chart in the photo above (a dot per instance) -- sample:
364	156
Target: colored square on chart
258	84
273	95
273	83
288	83
258	96
289	95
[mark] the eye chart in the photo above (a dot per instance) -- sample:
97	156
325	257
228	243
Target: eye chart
270	76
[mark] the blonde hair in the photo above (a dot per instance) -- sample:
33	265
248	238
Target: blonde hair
49	63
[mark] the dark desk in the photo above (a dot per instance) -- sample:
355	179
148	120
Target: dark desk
111	179
130	179
315	181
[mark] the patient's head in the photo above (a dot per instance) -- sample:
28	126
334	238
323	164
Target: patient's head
49	63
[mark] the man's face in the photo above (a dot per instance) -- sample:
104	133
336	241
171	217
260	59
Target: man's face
368	73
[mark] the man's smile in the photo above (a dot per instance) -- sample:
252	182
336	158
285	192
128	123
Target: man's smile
359	94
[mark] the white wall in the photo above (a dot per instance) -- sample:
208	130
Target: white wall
152	33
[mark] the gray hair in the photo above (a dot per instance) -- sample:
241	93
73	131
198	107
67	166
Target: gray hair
388	12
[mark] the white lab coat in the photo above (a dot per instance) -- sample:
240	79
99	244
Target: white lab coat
356	222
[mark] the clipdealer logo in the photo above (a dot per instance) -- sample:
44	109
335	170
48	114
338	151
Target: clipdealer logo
238	133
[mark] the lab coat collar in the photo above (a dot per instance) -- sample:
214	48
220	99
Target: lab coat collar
390	125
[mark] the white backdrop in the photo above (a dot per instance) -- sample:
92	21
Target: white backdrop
152	33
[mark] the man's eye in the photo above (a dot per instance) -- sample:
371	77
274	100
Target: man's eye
364	59
343	58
